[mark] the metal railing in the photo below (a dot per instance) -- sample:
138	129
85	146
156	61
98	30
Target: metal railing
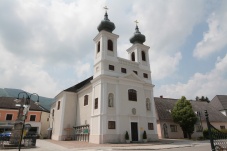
28	141
218	139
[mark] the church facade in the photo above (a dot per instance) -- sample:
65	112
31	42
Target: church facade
116	99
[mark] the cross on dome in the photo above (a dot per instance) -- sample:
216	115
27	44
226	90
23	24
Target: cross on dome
106	24
137	37
106	8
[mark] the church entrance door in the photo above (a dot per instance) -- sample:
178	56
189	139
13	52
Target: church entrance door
134	131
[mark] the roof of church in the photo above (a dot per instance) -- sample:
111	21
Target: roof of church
80	85
220	102
137	37
106	24
9	103
165	105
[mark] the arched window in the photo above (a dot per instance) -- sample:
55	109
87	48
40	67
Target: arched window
133	56
98	47
85	100
148	104
53	112
143	55
111	100
132	95
110	45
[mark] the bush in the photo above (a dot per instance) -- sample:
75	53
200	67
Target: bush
126	136
206	133
223	130
221	134
144	135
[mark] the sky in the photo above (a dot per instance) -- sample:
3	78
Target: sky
47	46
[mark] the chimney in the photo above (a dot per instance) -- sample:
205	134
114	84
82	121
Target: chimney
161	96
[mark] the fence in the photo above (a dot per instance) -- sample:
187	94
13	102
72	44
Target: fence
29	141
218	139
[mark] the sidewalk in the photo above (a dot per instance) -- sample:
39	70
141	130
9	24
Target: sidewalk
51	145
76	146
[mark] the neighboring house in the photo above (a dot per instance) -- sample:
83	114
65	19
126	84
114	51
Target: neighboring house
37	116
116	99
168	129
220	102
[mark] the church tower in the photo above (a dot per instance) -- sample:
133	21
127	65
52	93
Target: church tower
105	45
138	52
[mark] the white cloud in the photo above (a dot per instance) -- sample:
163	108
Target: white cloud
164	65
209	84
54	38
215	38
166	26
54	30
24	74
82	69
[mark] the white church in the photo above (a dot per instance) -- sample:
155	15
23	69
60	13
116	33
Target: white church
117	98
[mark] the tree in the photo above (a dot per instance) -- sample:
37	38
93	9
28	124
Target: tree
183	114
202	99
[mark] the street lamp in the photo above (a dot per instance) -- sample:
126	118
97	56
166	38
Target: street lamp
25	108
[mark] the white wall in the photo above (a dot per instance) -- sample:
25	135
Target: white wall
57	119
84	112
44	123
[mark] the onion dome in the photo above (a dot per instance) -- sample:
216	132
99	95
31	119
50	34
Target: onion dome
106	24
137	37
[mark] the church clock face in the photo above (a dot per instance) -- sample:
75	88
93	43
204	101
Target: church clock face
134	111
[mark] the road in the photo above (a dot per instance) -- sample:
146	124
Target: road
195	148
164	145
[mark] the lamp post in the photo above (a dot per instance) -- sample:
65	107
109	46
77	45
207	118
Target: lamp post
26	107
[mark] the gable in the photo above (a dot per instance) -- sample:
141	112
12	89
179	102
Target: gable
133	76
219	102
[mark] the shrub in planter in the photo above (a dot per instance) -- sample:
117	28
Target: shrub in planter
144	136
127	137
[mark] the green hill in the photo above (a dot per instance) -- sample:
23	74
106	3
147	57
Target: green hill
3	93
44	101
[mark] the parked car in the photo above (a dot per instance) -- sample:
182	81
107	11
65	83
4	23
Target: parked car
5	135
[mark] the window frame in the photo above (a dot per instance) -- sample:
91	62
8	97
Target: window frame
135	72
143	56
111	67
85	100
111	125
98	47
123	70
96	103
173	128
59	105
53	113
150	126
222	127
132	95
133	56
110	45
32	116
145	75
9	115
